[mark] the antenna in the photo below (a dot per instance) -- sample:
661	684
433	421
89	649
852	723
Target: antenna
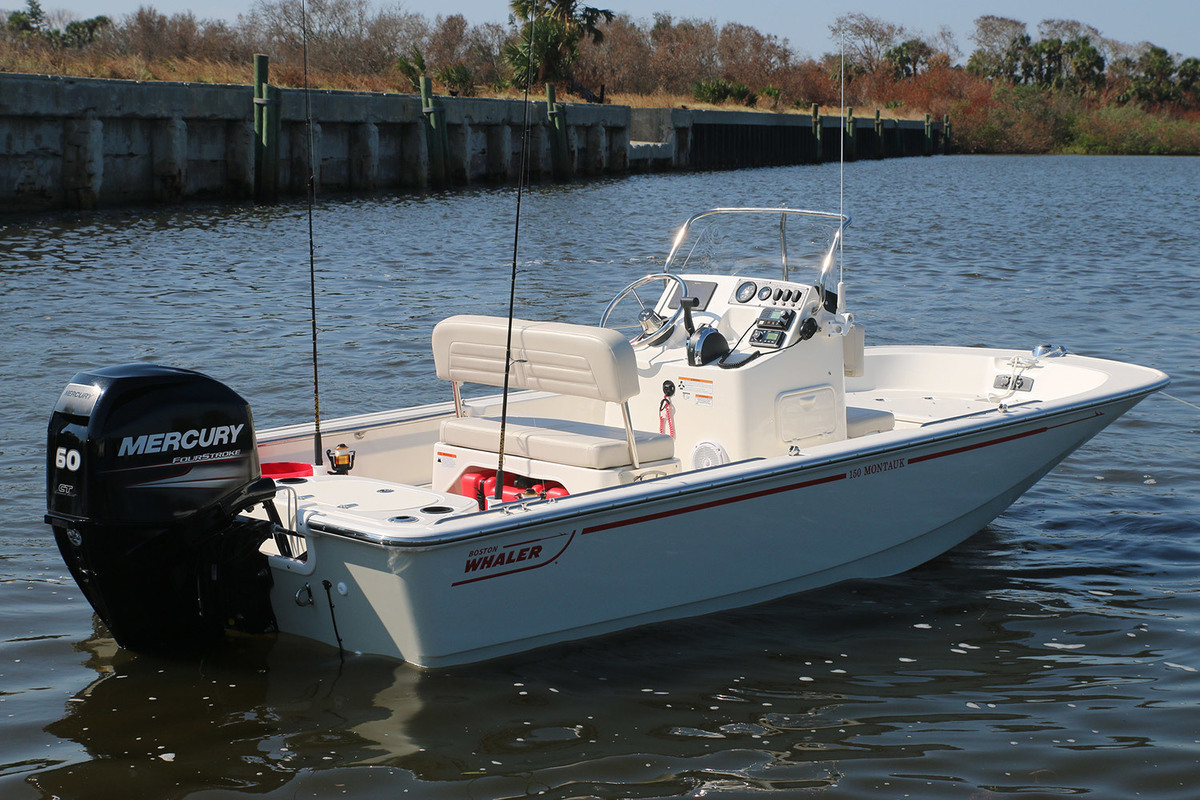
312	259
512	283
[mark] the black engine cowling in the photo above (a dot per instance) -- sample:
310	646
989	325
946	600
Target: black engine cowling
148	468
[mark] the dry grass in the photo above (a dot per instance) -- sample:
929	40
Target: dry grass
39	61
87	64
666	100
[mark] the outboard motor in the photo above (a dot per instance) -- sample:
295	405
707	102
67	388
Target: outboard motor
148	468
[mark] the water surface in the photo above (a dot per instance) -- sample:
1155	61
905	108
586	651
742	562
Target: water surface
1054	653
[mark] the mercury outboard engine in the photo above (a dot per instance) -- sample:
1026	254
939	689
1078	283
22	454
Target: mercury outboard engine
148	468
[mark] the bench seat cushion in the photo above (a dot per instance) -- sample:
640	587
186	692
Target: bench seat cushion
578	444
558	357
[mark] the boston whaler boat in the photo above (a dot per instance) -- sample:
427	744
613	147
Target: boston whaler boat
743	446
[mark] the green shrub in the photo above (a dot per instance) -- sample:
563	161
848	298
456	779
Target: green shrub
714	92
412	68
458	79
1131	130
721	91
774	93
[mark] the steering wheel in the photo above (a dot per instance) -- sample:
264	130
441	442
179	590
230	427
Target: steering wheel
652	325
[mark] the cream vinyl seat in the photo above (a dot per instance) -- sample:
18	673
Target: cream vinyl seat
567	359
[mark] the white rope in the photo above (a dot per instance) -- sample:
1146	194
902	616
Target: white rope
1180	400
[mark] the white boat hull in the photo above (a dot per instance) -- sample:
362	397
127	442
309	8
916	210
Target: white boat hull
676	547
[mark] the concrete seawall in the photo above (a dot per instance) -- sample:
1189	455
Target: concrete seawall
672	138
88	143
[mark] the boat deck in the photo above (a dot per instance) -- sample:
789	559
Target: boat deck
360	503
914	409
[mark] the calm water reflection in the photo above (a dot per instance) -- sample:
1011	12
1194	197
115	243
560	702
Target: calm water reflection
1054	653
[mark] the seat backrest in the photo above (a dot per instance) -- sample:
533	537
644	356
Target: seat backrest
559	357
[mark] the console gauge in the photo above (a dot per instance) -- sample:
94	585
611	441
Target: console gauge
764	293
745	292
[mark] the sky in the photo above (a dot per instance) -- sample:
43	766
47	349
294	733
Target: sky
1172	24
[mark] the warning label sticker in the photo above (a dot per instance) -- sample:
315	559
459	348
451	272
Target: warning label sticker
697	390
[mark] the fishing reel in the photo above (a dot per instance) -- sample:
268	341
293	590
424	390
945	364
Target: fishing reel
341	459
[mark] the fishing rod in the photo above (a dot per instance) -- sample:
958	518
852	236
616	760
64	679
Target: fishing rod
512	283
312	259
841	294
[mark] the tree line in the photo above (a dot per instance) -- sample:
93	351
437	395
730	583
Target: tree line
1016	90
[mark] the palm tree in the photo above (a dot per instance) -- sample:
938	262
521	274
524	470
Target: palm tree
552	46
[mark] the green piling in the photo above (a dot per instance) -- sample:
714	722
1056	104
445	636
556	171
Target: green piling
261	72
816	131
560	155
851	139
272	108
929	134
435	129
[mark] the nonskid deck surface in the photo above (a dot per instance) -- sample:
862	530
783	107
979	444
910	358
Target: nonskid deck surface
915	408
357	503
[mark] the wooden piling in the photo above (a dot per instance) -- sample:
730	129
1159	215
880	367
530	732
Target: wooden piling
435	128
560	155
850	139
272	107
816	132
261	76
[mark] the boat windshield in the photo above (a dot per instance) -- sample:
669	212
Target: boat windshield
791	243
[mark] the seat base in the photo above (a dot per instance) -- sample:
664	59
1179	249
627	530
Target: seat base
452	461
863	421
